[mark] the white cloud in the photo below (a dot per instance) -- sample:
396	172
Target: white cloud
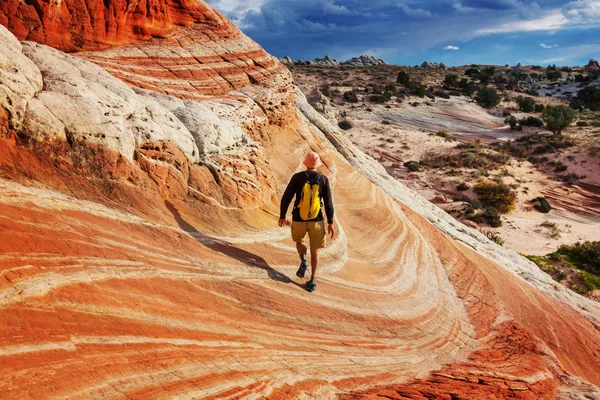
451	48
548	46
414	12
458	6
552	21
582	11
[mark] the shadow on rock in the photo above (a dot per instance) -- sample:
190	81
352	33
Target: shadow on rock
226	248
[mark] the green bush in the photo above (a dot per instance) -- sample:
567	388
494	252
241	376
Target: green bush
496	195
526	104
421	91
488	97
451	80
413	166
541	204
462	187
513	122
532	121
345	124
539	108
445	135
558	118
584	255
588	97
403	78
380	98
351	96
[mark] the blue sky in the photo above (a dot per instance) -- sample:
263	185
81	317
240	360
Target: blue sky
456	32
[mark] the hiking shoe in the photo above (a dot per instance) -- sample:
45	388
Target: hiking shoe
311	286
302	269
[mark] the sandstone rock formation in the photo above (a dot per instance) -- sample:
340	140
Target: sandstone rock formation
141	259
322	104
433	65
592	66
364	61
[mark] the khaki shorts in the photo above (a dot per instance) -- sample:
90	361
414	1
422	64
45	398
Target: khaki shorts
316	233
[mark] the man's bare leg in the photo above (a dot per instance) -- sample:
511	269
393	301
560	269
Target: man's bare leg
302	249
314	261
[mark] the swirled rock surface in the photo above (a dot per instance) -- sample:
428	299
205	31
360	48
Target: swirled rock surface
140	255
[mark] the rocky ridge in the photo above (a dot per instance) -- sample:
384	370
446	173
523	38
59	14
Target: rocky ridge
141	258
362	61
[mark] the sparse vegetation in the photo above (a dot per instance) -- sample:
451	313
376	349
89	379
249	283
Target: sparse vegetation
471	155
488	97
493	235
446	135
496	195
345	124
553	231
577	266
403	78
351	96
413	166
526	104
541	204
588	97
558	118
462	187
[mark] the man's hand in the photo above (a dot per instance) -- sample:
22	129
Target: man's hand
331	230
282	222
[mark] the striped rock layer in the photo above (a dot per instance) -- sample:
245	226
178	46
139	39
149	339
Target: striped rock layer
140	255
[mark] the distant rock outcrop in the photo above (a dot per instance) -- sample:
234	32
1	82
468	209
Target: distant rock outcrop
433	65
364	61
592	66
518	70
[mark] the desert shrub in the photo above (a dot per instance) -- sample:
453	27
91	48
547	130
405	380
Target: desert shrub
445	135
326	90
570	179
476	158
390	87
539	108
421	91
488	97
553	74
403	78
379	98
462	187
588	97
442	94
489	216
345	124
584	255
583	123
506	113
413	166
541	204
385	122
451	80
351	96
513	122
526	104
531	121
496	195
494	236
558	118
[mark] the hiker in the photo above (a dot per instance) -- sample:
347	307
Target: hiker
312	191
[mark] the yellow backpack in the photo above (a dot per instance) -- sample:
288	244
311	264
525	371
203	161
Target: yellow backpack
310	200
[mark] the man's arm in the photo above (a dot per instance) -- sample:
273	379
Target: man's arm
328	201
287	197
